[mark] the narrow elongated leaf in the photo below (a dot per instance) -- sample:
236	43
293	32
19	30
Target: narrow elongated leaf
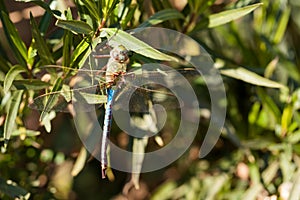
253	192
11	75
93	98
76	26
138	149
230	15
13	108
26	132
79	52
286	118
30	84
40	43
295	191
162	16
44	5
282	25
68	42
269	174
82	52
80	161
108	7
51	101
16	44
92	8
136	45
250	77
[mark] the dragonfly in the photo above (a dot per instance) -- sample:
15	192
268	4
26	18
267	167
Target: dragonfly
111	77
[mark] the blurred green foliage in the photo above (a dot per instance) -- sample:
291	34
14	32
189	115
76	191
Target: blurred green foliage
254	44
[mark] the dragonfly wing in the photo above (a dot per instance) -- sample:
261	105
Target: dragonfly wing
83	99
158	86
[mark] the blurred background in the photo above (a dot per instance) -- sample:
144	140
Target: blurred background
255	45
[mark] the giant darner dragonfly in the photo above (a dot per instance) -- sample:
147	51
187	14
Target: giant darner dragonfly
112	81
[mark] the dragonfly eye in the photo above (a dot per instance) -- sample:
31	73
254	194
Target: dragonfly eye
120	53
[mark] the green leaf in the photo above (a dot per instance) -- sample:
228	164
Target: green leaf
165	190
162	16
16	44
40	43
270	115
46	120
295	190
51	101
11	116
92	8
11	75
30	84
230	15
132	43
128	15
81	50
92	98
29	133
13	190
80	162
44	5
250	77
282	25
286	119
270	172
138	150
108	7
75	26
253	192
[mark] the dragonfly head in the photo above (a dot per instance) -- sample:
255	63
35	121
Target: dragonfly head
120	53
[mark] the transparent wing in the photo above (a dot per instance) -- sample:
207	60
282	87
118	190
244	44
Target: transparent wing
134	90
82	88
85	98
162	87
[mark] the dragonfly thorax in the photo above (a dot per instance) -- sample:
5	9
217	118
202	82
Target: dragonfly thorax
119	53
116	64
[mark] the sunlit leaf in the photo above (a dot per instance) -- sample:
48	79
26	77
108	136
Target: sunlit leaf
107	7
129	15
253	192
30	84
230	15
92	8
16	43
162	16
83	51
250	77
51	101
138	150
286	119
270	172
75	26
29	133
295	191
282	25
80	162
164	190
11	116
46	120
136	45
11	75
44	5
